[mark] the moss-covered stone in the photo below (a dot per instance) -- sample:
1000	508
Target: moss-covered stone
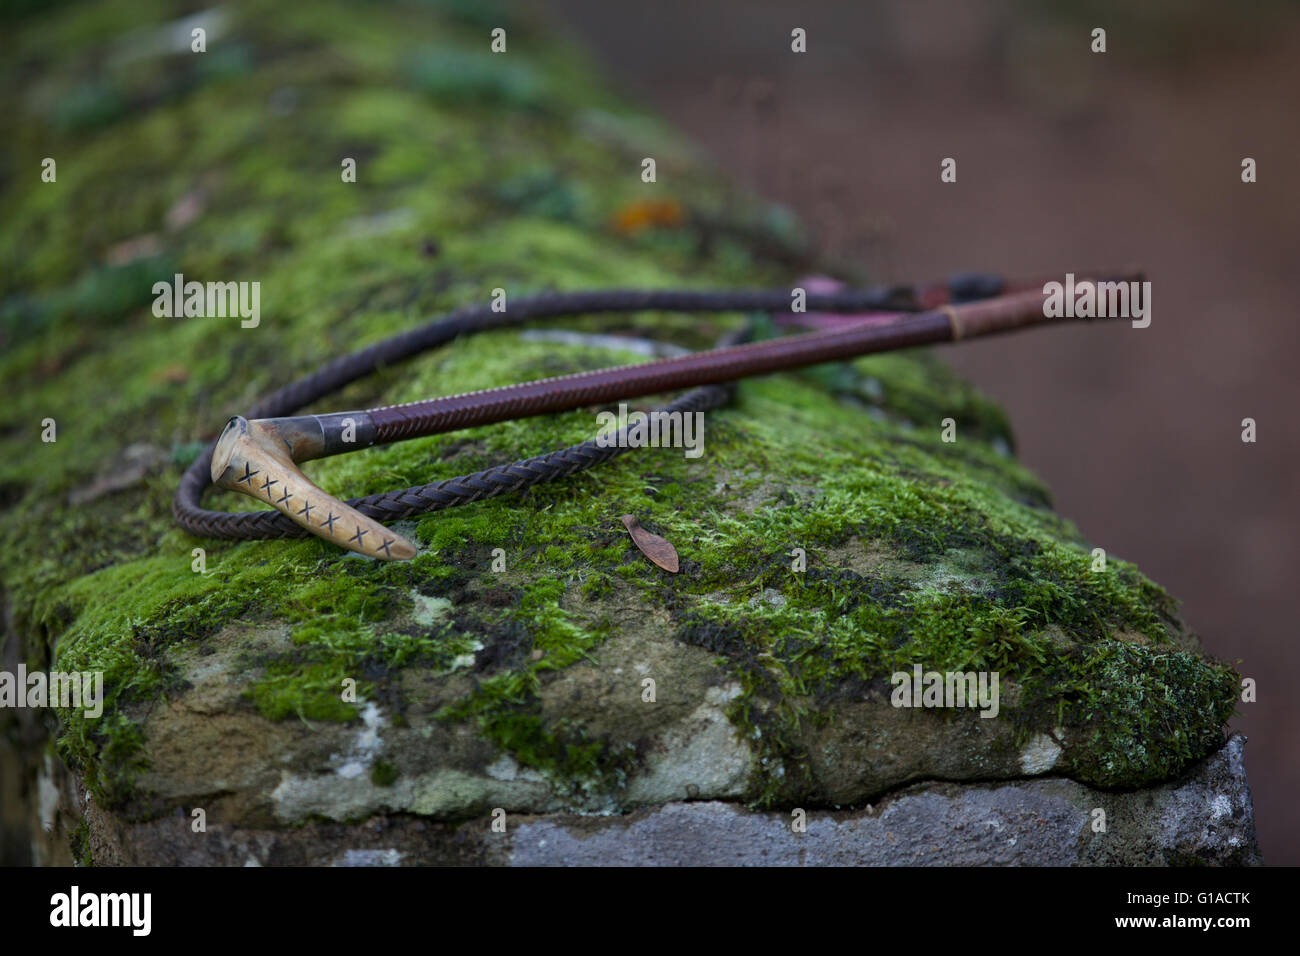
477	172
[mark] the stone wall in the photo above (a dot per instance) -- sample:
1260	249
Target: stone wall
515	692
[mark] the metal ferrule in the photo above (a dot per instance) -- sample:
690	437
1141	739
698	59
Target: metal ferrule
319	436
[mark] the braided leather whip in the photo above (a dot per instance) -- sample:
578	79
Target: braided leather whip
714	371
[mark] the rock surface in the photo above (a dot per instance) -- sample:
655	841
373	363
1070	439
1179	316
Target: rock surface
1204	818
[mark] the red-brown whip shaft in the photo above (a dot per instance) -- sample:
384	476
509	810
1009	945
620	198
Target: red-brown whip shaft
564	393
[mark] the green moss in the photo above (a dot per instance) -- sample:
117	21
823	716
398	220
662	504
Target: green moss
109	753
310	691
504	705
383	774
79	844
88	106
1143	714
475	78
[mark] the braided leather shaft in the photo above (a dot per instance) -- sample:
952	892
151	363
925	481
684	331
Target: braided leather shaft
397	422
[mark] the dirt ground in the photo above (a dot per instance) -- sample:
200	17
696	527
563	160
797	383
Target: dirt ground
1066	160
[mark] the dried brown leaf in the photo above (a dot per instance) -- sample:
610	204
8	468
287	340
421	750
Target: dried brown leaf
651	545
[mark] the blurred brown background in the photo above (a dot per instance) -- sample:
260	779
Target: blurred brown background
1066	160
